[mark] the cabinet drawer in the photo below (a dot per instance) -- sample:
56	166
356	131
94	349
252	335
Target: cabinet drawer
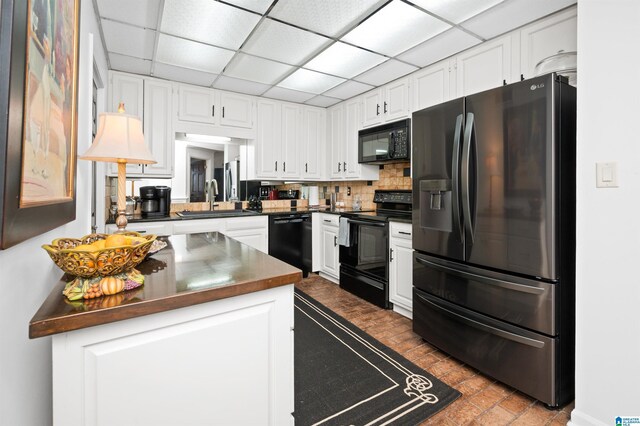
260	222
400	230
199	225
329	219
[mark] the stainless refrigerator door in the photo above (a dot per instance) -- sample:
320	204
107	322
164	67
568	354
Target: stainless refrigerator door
508	178
437	221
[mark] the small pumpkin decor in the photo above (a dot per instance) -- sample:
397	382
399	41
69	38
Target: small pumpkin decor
111	285
91	288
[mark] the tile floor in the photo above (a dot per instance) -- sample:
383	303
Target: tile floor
483	402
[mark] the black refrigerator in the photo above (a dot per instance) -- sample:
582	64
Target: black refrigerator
494	233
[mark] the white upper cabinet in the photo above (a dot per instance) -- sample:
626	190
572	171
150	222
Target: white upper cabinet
289	157
545	38
237	110
487	66
158	127
197	104
128	89
352	123
388	103
432	85
314	144
269	129
336	132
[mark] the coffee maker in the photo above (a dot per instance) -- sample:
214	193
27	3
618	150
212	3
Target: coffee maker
155	200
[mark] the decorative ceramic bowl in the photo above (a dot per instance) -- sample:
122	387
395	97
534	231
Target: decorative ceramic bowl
89	261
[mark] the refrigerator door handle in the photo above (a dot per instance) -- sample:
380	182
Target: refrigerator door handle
483	327
455	172
485	280
464	176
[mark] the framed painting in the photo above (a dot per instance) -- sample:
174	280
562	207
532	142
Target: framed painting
39	153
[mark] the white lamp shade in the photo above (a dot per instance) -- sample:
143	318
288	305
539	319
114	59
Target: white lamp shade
119	139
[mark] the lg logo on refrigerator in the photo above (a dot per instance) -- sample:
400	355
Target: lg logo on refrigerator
537	86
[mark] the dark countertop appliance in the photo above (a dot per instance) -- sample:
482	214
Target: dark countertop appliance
155	201
494	233
288	194
290	239
389	143
364	256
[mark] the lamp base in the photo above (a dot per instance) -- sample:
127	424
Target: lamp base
121	222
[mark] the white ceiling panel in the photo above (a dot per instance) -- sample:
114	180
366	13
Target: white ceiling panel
241	86
256	69
441	46
184	75
128	40
259	6
284	43
288	95
143	13
344	60
348	89
512	14
129	64
328	17
322	101
377	34
386	72
190	54
456	11
208	21
310	81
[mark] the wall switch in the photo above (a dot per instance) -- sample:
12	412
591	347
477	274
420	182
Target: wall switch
606	175
348	190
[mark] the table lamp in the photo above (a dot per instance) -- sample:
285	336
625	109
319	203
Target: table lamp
119	139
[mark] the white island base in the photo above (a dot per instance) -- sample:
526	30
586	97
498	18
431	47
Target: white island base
224	362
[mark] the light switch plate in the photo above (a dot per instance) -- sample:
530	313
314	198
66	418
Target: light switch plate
606	175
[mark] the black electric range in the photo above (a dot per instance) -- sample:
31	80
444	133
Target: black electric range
364	246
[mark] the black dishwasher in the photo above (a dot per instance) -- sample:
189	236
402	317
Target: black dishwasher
290	239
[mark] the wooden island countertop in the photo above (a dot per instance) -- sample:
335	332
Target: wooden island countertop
192	269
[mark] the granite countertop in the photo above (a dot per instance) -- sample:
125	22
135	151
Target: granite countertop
192	269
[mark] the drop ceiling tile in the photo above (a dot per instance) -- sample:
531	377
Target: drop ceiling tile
256	69
281	42
128	40
208	21
184	75
512	14
259	6
143	13
386	72
288	95
378	35
328	17
129	64
441	46
310	81
190	54
456	11
348	89
241	86
344	60
322	101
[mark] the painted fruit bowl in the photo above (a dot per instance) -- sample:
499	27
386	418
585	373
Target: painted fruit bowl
99	254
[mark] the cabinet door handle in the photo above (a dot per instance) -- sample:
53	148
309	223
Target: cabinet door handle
339	165
390	255
284	166
385	109
377	109
306	169
213	110
276	166
344	166
327	220
222	112
404	233
335	240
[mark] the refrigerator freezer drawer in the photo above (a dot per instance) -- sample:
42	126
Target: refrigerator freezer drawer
519	301
519	358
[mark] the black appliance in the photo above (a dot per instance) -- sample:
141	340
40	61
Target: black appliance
264	192
364	262
494	233
155	201
288	194
389	143
290	239
249	188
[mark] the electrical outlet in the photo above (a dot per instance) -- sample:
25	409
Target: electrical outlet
348	190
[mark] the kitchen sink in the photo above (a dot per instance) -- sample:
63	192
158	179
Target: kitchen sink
215	213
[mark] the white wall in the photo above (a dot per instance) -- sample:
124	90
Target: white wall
608	224
28	273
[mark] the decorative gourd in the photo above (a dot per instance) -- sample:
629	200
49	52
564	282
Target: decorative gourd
111	285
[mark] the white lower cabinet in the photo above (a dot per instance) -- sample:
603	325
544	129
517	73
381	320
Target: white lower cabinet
156	228
401	268
330	251
252	231
195	365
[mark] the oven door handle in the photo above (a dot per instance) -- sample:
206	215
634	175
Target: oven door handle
367	223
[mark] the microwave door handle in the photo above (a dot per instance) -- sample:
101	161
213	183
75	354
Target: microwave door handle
465	176
392	145
455	184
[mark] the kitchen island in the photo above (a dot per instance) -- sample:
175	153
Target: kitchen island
209	334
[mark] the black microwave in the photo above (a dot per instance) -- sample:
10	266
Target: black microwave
389	143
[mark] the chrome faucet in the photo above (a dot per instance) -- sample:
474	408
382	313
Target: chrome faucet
212	191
